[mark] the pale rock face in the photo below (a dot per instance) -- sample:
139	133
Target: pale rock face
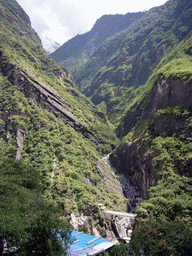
173	93
122	226
161	51
20	140
77	219
96	232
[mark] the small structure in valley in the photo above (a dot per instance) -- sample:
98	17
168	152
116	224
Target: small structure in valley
122	223
84	244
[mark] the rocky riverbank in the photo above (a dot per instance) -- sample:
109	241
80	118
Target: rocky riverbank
130	191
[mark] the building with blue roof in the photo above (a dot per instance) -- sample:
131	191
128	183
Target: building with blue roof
84	244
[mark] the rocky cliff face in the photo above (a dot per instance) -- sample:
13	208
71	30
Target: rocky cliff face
133	157
137	167
39	92
169	93
163	94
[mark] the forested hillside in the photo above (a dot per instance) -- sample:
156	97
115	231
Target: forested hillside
156	150
76	52
53	138
156	155
142	79
54	132
116	72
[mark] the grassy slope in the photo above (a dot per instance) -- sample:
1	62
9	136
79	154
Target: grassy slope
46	136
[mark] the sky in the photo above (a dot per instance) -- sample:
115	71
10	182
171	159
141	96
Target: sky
60	20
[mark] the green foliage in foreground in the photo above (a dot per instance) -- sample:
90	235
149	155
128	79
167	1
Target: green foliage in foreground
27	220
166	219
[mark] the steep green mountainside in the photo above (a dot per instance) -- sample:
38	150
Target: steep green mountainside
156	154
76	52
49	125
162	112
18	19
58	136
115	74
174	68
142	78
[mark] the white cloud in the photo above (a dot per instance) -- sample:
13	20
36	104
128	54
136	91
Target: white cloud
60	20
52	27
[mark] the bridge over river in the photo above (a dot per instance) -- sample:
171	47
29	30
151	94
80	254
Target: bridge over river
120	214
121	222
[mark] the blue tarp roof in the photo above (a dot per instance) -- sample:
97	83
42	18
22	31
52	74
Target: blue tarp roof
84	244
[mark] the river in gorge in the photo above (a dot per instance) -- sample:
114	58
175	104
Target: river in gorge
130	191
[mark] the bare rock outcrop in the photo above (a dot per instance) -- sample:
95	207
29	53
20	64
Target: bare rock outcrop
169	93
40	93
20	137
132	158
136	167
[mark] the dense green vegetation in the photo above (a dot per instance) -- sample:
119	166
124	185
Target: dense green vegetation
165	219
60	148
29	221
76	52
64	153
124	62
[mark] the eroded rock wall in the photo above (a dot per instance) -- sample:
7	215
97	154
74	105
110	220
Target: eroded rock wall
132	157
